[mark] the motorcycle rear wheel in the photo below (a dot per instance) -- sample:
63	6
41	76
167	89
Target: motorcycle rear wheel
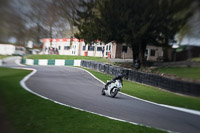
103	92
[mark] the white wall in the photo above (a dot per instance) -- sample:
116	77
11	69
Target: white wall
75	48
62	50
108	48
158	53
46	47
86	48
7	49
98	53
63	46
91	53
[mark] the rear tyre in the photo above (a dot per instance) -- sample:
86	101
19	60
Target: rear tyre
103	92
113	92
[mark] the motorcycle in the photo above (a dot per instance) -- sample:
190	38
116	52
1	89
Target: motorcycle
113	87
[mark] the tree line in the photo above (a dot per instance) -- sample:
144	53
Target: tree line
134	22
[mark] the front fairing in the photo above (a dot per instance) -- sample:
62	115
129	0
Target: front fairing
118	84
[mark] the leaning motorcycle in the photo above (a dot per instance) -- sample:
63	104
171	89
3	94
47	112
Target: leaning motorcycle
113	87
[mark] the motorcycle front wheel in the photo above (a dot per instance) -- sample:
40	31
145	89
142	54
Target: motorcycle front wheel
113	92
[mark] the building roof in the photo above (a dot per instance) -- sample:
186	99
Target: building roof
61	40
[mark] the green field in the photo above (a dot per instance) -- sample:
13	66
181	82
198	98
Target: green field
66	57
29	113
192	73
153	94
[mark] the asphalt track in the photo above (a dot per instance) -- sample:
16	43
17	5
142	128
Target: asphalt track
77	88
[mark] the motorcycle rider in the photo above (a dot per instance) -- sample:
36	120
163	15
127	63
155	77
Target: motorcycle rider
119	77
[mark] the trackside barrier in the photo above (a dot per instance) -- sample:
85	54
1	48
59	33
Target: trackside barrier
178	86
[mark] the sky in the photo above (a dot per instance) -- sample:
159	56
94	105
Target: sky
193	37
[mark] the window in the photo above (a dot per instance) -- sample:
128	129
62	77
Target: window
18	48
58	47
84	47
73	52
146	52
153	52
124	49
66	47
109	47
99	48
90	48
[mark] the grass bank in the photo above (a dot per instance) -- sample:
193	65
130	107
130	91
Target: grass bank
4	56
192	73
197	59
29	113
66	57
153	94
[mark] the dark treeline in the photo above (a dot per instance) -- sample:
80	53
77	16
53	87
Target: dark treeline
134	22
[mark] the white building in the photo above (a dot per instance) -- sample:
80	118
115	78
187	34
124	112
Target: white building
92	50
7	49
153	53
113	50
83	48
75	47
78	47
122	51
61	46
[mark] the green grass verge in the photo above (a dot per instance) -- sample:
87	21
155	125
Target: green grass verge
197	59
66	57
29	113
152	93
183	72
4	56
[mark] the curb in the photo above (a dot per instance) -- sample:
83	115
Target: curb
53	62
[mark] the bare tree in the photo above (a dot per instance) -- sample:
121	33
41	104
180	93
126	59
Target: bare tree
66	9
36	19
